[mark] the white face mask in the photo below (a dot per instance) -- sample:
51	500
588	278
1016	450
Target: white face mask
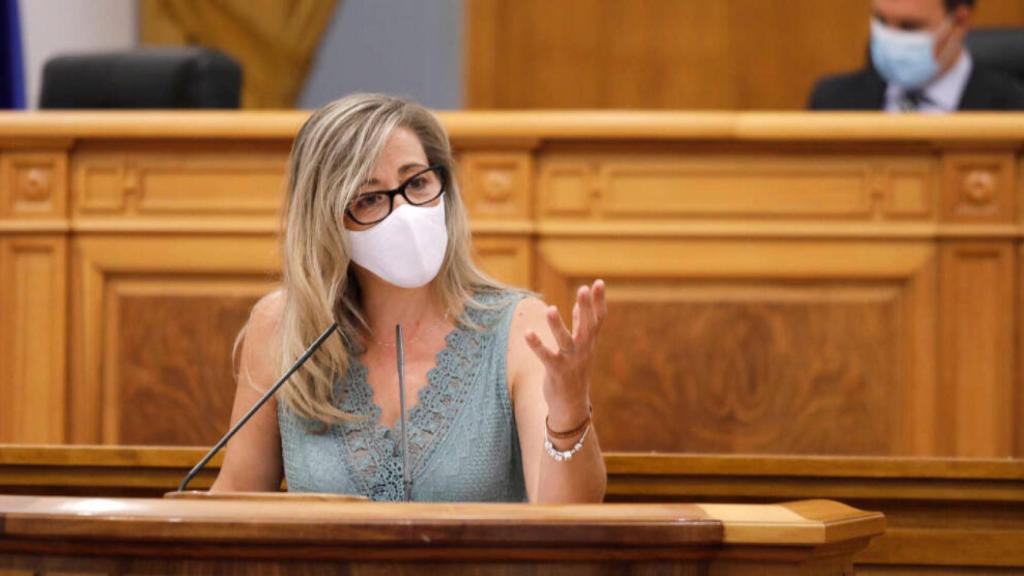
406	248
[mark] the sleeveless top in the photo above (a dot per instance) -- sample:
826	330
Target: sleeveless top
463	442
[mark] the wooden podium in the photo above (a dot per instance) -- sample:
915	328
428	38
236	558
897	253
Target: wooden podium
47	534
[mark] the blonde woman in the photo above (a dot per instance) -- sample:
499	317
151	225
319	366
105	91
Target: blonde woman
376	235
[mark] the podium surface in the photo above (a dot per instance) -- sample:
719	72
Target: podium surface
44	534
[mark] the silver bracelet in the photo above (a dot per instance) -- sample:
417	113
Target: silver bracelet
562	455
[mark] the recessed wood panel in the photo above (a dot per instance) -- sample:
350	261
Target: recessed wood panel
977	352
568	189
175	381
238	180
726	186
33	316
211	188
694	188
911	189
157	316
757	368
740	348
506	259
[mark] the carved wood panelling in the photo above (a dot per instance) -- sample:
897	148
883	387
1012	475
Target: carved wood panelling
976	354
33	184
866	255
159	312
497	184
664	187
173	385
568	187
979	187
908	189
746	347
758	368
230	182
1018	376
508	259
33	314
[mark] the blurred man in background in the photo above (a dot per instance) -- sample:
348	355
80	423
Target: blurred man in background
919	64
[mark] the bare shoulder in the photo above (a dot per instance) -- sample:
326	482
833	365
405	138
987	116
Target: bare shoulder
258	339
269	308
529	314
265	317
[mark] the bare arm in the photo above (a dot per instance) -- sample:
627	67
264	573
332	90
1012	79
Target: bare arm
252	461
549	371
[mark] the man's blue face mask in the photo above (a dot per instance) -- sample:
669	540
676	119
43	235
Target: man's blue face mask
904	58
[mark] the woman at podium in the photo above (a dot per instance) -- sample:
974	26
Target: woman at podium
376	236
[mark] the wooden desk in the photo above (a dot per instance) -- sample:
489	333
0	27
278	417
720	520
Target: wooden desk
944	516
146	536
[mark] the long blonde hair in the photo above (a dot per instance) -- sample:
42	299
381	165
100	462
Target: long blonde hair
333	153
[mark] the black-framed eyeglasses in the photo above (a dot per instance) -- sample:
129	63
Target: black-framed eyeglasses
421	188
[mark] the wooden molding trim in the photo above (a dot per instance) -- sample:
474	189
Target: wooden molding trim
1000	131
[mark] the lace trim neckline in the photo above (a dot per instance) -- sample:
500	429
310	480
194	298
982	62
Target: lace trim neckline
373	448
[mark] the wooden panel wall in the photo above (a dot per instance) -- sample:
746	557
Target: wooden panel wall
779	284
176	243
662	54
33	292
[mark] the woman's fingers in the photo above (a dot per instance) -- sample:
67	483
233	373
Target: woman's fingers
575	321
546	356
558	329
584	323
600	304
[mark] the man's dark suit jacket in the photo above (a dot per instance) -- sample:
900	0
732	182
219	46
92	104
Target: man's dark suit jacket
986	89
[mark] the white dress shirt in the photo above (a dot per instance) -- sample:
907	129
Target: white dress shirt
941	95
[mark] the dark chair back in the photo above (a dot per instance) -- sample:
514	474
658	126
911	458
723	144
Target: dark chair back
186	77
1000	49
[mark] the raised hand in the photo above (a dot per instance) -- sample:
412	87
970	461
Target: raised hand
567	382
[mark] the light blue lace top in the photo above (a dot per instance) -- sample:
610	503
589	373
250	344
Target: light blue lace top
463	443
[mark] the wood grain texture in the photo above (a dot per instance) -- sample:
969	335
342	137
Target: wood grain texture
949	516
34	184
664	54
732	347
177	383
150	304
33	320
812	538
695	183
976	399
516	130
753	369
790	277
161	180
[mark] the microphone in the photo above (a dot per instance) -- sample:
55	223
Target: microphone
259	404
400	357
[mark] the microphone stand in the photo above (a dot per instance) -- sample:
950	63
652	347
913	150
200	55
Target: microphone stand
400	356
259	404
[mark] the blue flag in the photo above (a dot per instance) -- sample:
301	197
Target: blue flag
12	70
